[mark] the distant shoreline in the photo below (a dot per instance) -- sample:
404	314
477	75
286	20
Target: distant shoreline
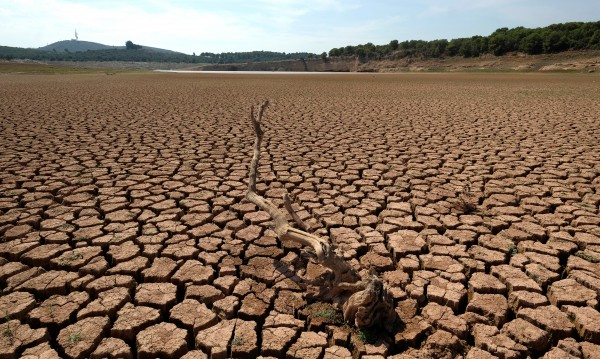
570	61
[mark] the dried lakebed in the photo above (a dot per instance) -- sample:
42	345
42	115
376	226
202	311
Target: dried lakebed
125	232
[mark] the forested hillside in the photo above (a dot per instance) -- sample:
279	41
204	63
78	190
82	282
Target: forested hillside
551	39
546	40
147	55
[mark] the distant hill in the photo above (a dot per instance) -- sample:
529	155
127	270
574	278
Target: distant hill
80	51
75	46
79	46
555	38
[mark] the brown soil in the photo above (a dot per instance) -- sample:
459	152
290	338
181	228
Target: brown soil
125	233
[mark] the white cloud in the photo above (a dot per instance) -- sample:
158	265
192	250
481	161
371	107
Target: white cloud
114	22
304	6
279	25
445	6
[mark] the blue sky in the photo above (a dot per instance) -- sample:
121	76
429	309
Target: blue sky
278	25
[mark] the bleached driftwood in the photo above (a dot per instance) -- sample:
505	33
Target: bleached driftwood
361	296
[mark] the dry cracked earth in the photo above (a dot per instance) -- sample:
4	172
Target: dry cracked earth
125	232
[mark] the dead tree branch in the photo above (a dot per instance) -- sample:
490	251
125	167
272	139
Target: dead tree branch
287	203
365	301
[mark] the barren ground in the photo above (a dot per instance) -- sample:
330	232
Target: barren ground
124	232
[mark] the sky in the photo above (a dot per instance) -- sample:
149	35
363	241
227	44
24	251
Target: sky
316	26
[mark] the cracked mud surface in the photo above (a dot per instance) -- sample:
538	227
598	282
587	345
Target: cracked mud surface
125	233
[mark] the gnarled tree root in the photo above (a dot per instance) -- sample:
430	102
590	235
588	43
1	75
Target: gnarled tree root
363	298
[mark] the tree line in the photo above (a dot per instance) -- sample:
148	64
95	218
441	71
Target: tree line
546	40
550	39
136	53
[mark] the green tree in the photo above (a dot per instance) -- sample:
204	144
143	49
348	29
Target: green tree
497	44
514	37
437	48
360	52
477	46
555	42
594	42
453	47
129	45
533	44
466	48
394	45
